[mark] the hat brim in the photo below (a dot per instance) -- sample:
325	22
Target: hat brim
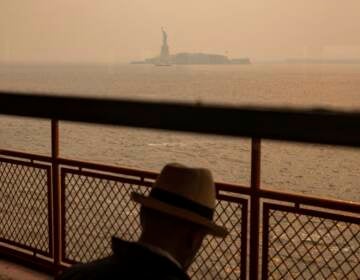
184	214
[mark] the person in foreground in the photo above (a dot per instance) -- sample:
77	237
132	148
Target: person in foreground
175	218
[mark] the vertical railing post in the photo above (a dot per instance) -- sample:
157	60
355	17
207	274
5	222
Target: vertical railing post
255	208
56	192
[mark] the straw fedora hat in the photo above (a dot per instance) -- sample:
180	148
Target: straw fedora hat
186	193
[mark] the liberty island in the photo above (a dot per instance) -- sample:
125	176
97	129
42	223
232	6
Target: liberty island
185	58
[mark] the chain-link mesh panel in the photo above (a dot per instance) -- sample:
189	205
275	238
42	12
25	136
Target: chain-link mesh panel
305	245
98	208
24	205
220	258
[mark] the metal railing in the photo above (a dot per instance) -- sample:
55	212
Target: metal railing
58	211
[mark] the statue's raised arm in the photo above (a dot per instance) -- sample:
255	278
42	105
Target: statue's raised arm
164	36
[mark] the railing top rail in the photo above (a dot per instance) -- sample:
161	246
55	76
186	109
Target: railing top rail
82	164
301	125
222	188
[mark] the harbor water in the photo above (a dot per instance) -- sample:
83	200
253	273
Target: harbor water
321	170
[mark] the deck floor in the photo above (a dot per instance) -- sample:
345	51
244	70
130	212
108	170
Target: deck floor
12	271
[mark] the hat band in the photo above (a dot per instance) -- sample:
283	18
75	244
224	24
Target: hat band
182	202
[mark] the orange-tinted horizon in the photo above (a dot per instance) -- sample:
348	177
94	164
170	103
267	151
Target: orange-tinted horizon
116	31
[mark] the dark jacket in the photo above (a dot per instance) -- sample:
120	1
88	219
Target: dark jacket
129	261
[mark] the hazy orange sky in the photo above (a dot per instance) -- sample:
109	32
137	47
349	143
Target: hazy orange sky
115	31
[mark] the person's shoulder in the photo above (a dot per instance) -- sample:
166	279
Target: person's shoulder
100	269
129	261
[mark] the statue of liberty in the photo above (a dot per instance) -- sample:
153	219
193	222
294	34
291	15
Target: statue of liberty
164	59
164	36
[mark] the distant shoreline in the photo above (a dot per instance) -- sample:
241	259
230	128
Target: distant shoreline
7	64
195	59
323	61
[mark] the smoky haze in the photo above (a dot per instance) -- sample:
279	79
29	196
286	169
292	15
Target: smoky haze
116	31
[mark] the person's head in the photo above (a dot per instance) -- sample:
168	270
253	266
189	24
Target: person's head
178	213
180	238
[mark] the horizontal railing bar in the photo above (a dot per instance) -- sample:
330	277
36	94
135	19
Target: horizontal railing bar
301	125
24	163
221	186
108	168
24	155
234	199
83	164
27	259
334	204
30	249
233	188
340	205
102	176
312	212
